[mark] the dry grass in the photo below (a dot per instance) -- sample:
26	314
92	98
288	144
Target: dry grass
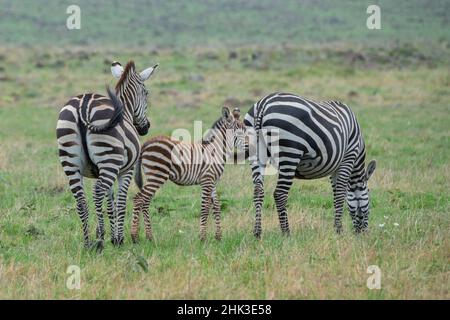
404	114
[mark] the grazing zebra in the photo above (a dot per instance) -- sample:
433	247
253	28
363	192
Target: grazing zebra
305	139
98	137
164	158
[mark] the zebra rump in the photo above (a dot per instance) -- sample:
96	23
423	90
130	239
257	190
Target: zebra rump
102	120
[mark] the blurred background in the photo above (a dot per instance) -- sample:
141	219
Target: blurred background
173	24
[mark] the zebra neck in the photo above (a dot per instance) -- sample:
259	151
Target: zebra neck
127	102
219	143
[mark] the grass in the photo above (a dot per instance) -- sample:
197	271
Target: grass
402	104
157	23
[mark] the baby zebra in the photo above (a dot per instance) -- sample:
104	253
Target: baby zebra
200	163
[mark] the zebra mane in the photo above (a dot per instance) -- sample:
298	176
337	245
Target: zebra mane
129	69
209	137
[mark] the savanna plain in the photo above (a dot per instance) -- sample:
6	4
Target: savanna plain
400	92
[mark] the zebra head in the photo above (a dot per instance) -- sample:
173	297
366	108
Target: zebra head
235	128
358	199
132	91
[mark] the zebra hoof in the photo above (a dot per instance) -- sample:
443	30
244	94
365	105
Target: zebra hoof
100	234
135	239
118	242
218	237
149	238
257	234
97	245
361	232
88	245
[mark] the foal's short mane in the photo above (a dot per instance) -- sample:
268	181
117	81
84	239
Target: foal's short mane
129	68
210	136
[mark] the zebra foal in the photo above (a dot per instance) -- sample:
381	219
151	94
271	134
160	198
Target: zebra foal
202	163
313	140
98	137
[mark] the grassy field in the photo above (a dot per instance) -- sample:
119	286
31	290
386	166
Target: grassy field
215	53
161	23
401	96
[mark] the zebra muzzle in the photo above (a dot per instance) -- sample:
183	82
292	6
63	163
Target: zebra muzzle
143	130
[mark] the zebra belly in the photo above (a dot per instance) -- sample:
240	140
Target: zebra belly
189	175
193	174
183	183
315	168
318	153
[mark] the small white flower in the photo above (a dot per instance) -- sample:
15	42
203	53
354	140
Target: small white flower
180	231
381	225
396	224
386	217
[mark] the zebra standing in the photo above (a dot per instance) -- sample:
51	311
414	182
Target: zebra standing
99	138
305	139
164	158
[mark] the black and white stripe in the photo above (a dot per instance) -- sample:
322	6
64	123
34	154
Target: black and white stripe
305	139
98	137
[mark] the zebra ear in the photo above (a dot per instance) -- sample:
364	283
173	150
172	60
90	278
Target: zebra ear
370	168
148	72
226	113
236	113
116	69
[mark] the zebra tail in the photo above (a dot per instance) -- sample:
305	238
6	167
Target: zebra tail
116	116
138	173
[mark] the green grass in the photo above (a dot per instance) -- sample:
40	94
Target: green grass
401	102
159	23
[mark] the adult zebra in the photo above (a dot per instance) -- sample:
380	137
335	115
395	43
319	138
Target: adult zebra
99	138
305	139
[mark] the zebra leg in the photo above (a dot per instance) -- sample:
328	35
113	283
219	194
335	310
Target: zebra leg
111	213
207	188
337	223
138	202
258	197
142	202
141	205
99	192
147	222
124	184
102	187
76	186
216	209
339	182
98	209
285	178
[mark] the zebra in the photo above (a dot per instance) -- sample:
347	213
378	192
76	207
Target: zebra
164	158
305	139
98	137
